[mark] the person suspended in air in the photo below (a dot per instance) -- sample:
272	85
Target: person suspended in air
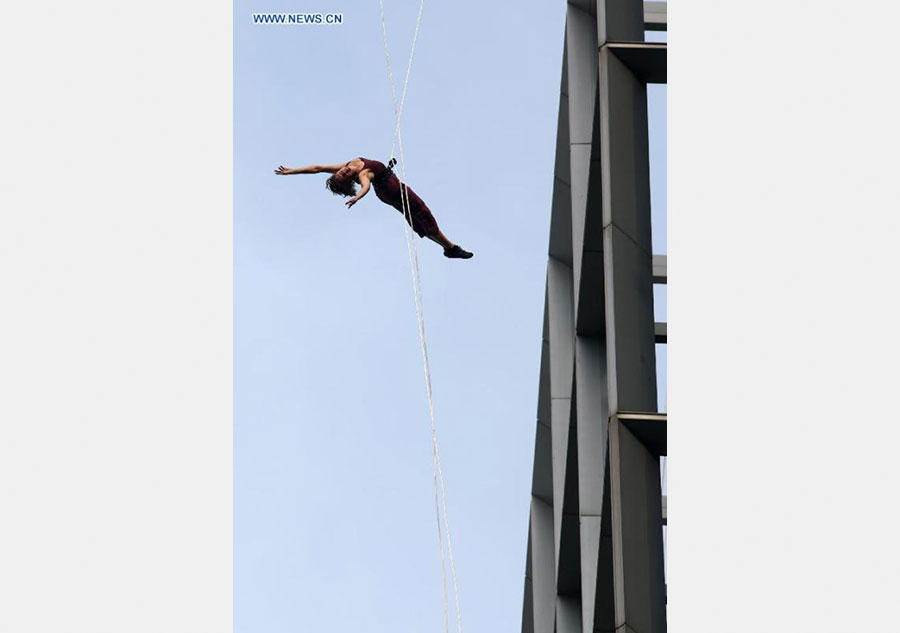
374	174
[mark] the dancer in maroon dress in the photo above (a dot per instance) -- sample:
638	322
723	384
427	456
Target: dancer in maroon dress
371	173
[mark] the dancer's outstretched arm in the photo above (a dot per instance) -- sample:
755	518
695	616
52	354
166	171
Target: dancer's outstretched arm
310	169
366	184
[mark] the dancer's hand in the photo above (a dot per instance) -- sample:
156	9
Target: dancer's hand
351	202
282	170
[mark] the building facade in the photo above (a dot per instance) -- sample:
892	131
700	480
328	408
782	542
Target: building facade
595	557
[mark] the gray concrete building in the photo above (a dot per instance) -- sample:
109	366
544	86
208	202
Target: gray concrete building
595	537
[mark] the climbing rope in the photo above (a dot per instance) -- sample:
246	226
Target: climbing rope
440	490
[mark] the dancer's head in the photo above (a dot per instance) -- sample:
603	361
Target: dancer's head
343	182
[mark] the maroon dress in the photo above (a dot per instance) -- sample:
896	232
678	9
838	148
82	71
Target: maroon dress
389	190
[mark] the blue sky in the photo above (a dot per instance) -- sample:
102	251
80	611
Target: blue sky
334	515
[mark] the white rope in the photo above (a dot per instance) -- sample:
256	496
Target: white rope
437	470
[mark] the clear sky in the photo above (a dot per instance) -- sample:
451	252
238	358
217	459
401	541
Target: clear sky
334	515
